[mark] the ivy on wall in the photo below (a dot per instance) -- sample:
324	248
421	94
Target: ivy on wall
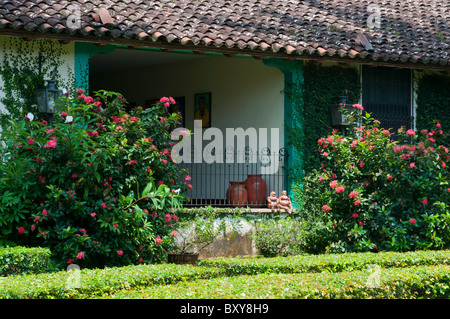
322	86
433	102
22	72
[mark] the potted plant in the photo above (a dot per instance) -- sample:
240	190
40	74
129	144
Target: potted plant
195	231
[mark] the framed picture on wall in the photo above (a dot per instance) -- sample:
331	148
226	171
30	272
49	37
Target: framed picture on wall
202	108
179	106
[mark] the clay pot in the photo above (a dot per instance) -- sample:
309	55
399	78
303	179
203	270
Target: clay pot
237	194
256	189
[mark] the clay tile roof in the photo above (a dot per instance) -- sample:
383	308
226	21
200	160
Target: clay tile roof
406	31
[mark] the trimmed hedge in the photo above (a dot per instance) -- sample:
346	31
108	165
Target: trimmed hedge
99	282
427	282
327	263
420	274
23	260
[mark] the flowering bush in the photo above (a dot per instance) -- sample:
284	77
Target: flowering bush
97	187
376	193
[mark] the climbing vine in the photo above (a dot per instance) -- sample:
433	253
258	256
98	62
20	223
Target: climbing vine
310	115
311	119
22	71
433	101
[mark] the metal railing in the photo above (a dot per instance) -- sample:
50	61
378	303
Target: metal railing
236	178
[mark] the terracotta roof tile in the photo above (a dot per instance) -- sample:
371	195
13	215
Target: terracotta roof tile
415	31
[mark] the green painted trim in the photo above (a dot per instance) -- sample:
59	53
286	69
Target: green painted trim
293	75
84	51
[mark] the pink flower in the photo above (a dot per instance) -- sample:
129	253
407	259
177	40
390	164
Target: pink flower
164	161
443	165
103	205
340	189
361	223
389	177
33	227
63	114
79	91
326	208
92	134
410	132
44	212
30	141
20	230
412	165
333	184
158	239
174	233
168	218
321	178
50	131
120	252
189	186
385	132
187	178
174	218
357	202
325	154
184	133
115	225
438	124
93	214
358	106
355	215
425	201
354	143
88	100
361	164
353	194
412	221
132	162
50	144
80	255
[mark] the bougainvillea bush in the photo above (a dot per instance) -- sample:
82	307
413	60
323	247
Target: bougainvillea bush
377	192
98	187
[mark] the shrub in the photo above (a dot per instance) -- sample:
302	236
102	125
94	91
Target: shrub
24	260
377	193
430	282
196	229
330	263
281	237
97	187
99	282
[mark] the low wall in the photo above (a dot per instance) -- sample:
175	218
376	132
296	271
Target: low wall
241	244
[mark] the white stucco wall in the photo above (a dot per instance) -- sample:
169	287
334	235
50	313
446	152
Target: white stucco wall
245	92
21	50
